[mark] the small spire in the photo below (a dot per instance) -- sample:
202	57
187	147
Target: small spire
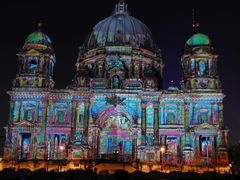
40	25
195	24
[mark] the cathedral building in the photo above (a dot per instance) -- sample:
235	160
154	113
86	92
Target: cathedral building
116	108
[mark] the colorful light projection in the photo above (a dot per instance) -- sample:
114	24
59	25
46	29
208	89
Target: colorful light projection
116	109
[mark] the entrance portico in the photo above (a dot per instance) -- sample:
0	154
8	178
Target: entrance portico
205	143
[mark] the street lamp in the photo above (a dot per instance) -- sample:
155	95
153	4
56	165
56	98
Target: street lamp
61	148
162	150
207	153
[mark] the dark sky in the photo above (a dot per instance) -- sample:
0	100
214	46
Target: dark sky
68	23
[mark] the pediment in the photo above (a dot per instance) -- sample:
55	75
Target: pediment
32	51
23	123
115	69
205	128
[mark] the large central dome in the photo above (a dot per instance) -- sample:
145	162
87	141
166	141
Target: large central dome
120	29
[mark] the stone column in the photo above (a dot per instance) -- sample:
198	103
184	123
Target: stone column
11	117
216	109
17	109
143	125
134	145
86	119
24	64
98	143
69	112
221	116
181	117
213	154
142	70
223	138
132	69
196	148
46	67
36	112
94	142
213	114
50	111
194	118
178	114
21	113
74	119
216	145
156	123
179	149
136	70
100	69
186	119
44	123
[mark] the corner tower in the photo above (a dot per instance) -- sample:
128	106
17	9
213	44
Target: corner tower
199	63
204	103
25	133
35	63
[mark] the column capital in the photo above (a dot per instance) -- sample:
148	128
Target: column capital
186	106
143	104
156	105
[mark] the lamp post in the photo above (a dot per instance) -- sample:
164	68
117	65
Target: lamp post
61	150
207	153
162	150
12	155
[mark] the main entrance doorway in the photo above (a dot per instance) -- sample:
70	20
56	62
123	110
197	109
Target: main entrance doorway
115	139
25	146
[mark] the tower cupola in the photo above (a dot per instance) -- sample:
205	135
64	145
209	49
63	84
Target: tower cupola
36	60
199	63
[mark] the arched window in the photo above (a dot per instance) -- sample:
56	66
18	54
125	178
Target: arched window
60	117
28	115
171	118
32	67
202	68
115	82
203	117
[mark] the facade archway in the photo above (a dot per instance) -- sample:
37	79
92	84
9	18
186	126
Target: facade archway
115	142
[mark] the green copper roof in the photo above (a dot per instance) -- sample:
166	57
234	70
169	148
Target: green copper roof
38	37
198	39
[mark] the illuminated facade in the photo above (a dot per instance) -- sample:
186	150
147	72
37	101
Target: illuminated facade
115	109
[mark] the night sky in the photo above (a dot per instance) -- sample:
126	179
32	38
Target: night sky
68	23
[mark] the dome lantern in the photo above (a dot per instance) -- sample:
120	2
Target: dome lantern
121	7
